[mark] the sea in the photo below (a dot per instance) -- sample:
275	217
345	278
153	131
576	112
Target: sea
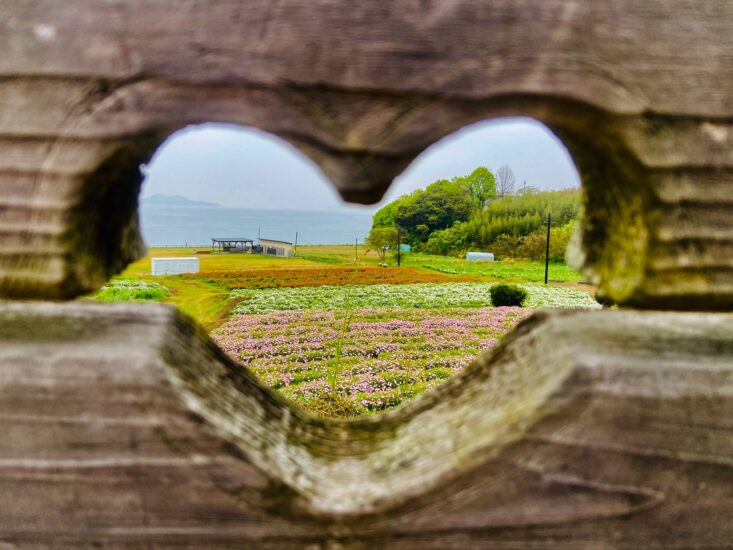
197	225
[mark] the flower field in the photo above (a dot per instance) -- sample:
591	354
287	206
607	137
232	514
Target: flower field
321	276
343	338
386	356
439	295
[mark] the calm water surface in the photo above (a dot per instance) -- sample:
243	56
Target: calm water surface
196	225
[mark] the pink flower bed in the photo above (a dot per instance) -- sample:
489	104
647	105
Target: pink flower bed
387	356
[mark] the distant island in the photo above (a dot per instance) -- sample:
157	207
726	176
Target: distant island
176	200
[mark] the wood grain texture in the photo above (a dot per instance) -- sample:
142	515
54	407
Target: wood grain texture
641	92
124	426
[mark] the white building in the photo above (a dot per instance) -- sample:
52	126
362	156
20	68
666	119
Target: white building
174	266
276	248
480	257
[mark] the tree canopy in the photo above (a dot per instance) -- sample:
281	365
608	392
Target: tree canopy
385	216
439	206
474	190
380	238
451	216
481	186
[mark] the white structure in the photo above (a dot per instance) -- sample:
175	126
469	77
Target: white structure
272	247
480	257
174	266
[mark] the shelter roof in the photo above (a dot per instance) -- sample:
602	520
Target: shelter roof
232	239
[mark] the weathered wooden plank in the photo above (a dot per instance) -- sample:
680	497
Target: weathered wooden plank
399	47
123	425
362	89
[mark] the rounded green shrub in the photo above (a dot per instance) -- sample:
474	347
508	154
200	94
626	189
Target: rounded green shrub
507	295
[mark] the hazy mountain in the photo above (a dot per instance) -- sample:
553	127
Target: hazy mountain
175	200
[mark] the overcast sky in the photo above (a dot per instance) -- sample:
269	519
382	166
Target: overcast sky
247	168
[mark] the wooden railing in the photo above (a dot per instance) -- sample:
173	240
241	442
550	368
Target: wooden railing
125	426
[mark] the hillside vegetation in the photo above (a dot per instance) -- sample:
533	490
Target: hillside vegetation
450	217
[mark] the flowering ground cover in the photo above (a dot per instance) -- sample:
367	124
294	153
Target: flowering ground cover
320	276
438	295
344	338
386	356
122	290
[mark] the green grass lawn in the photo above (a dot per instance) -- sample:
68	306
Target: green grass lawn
216	262
506	270
208	303
326	255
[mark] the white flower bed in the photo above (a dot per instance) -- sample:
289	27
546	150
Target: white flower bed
428	295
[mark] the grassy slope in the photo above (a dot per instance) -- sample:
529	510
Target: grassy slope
208	303
215	262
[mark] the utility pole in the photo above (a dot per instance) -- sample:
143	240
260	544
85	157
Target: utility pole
547	248
398	247
295	246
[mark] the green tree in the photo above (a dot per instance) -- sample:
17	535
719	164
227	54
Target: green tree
480	185
380	238
533	246
477	188
439	206
446	241
506	246
385	216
